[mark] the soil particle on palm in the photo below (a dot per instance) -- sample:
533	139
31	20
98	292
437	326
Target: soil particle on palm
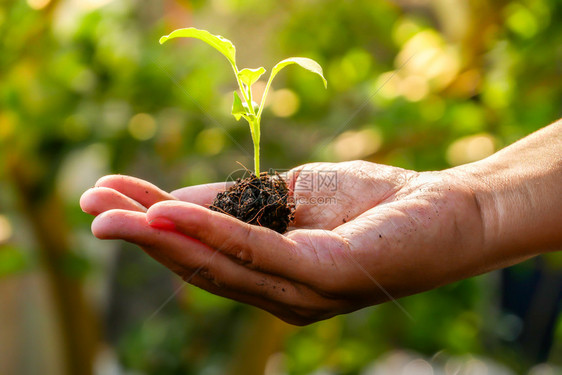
260	201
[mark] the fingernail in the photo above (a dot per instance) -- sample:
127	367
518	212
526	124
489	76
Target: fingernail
162	223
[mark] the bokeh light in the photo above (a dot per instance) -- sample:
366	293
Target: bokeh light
142	126
471	148
352	145
6	229
284	103
210	141
38	4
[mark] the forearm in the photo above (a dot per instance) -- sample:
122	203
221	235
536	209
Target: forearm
519	193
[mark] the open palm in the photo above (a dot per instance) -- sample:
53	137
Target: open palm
363	233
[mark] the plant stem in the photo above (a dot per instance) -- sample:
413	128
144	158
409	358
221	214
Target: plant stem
256	139
254	122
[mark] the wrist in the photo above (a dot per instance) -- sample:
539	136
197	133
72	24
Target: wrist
495	248
475	180
517	191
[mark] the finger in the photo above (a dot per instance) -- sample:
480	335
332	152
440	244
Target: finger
256	247
278	310
130	226
195	261
232	279
139	190
187	254
315	258
171	249
219	275
97	200
202	195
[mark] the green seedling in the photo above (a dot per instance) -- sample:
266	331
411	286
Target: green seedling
244	107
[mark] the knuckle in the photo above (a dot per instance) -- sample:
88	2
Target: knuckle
241	251
186	275
244	257
205	271
212	277
190	276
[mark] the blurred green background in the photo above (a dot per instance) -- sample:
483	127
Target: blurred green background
86	90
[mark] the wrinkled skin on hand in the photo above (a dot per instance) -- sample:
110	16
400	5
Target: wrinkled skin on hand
363	234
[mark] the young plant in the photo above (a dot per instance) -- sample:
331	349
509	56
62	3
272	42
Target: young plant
245	107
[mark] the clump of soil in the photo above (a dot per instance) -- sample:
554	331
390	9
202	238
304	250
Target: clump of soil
260	201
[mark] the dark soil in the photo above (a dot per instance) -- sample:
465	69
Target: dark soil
260	201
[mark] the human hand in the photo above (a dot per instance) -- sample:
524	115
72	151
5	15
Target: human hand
378	233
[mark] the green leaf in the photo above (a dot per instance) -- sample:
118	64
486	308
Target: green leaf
221	44
238	109
250	76
304	62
